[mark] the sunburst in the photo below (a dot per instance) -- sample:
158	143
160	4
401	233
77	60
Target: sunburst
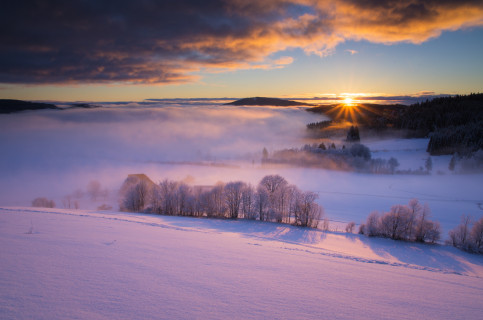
348	101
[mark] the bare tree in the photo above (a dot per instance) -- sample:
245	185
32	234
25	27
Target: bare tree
136	197
426	229
403	222
197	200
349	228
476	235
371	228
167	192
261	202
155	199
307	212
214	202
291	193
248	205
43	203
432	231
275	189
233	198
94	189
67	201
464	238
395	224
183	195
459	236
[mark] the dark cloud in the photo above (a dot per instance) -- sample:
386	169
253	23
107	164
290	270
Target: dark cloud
146	41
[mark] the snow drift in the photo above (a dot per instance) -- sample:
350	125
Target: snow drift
62	264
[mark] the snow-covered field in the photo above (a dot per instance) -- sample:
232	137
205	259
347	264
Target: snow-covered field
84	264
75	264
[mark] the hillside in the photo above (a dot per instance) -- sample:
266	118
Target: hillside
69	264
262	101
454	124
10	106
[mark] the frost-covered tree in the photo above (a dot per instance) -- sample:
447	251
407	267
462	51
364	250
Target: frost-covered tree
273	200
183	199
43	203
466	238
261	203
459	236
136	197
424	229
197	201
214	201
274	186
307	212
248	204
233	198
94	189
349	228
403	222
167	193
395	223
476	236
371	227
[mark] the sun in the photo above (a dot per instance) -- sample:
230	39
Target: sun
348	101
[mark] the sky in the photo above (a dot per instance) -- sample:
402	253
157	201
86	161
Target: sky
135	50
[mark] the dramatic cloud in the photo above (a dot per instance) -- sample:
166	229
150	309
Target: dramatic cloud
170	41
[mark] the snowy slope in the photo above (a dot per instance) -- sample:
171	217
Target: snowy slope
61	264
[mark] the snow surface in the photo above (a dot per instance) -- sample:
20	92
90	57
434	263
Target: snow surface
76	264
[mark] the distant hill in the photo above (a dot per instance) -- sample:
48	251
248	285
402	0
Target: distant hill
83	106
10	106
262	101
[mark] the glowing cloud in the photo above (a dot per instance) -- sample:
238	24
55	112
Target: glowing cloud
159	42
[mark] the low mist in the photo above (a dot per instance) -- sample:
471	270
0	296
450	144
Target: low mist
51	153
56	154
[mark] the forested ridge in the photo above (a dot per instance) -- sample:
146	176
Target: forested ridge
454	124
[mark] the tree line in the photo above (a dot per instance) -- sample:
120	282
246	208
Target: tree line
273	199
357	157
454	123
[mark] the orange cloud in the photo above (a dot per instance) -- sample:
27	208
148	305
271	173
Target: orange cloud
155	42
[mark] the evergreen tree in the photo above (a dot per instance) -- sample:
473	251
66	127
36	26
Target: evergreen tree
353	134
